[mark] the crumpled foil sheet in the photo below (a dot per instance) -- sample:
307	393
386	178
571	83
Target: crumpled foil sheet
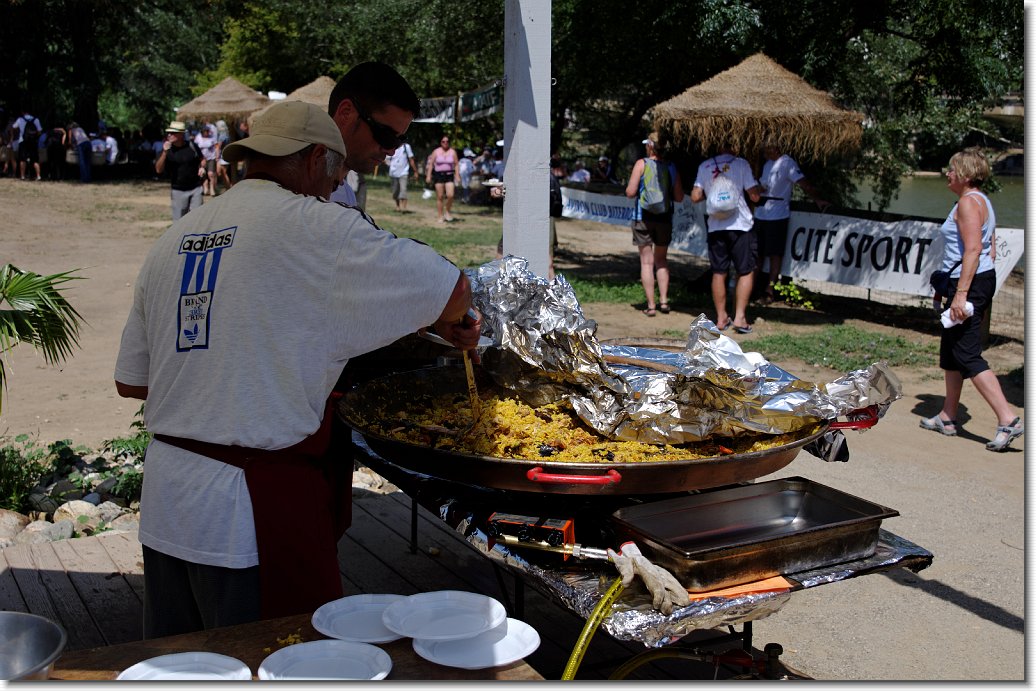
634	619
546	350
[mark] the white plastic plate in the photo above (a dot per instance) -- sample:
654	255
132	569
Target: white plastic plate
357	618
190	665
444	615
509	642
326	659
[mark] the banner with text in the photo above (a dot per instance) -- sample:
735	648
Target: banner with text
481	103
897	255
437	110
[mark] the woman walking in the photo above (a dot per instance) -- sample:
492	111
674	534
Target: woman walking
968	235
442	169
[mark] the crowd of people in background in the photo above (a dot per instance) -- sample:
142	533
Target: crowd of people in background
34	150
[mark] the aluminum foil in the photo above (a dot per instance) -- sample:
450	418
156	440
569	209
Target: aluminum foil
634	619
546	351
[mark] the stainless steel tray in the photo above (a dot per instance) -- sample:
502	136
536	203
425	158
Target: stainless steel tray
720	538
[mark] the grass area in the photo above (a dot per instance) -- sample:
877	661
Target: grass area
845	347
472	240
468	242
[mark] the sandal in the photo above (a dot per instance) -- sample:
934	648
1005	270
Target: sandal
650	312
726	325
664	308
1004	435
936	423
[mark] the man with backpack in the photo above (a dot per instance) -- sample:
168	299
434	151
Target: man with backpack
186	169
722	182
28	143
655	184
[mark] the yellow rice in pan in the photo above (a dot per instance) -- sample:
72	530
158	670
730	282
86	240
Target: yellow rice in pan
510	429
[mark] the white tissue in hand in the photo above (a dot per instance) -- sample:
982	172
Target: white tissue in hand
948	322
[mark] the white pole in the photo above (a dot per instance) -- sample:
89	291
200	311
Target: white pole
527	131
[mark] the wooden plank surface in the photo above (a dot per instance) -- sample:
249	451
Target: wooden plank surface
108	596
253	642
49	592
124	550
10	595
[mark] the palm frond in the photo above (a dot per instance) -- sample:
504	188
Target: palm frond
33	311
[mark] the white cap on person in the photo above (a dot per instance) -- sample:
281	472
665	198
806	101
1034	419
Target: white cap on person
285	128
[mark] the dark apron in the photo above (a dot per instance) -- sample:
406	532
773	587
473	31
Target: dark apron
301	505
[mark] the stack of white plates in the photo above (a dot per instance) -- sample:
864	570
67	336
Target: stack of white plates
461	629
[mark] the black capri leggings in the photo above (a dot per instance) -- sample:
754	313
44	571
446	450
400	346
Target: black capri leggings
961	345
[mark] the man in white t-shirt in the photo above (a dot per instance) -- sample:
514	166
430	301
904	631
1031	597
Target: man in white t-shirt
780	175
730	238
400	164
245	312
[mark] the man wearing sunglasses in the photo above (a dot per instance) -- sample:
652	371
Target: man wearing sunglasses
373	105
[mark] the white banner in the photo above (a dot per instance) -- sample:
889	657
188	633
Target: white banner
896	256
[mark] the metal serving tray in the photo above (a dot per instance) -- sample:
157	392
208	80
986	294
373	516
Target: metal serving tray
720	538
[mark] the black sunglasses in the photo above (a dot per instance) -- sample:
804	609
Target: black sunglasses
383	134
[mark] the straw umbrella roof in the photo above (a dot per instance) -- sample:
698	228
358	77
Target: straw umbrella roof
753	102
317	92
229	99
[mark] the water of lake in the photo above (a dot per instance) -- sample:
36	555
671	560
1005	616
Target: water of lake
929	196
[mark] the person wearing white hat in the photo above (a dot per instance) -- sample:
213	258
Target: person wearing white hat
244	315
186	168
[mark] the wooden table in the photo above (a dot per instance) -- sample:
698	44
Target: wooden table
249	643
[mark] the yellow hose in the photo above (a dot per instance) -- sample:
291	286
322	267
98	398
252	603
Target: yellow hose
648	656
601	611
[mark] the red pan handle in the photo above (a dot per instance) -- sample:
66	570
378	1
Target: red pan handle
859	419
537	475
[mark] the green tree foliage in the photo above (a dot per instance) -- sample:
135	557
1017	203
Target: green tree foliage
920	70
64	58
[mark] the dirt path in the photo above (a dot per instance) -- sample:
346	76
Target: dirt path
963	618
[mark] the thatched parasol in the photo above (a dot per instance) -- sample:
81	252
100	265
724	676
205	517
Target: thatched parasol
756	101
230	99
317	92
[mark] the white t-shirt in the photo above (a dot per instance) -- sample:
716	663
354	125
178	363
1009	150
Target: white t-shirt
778	179
739	171
580	176
244	314
20	123
399	163
206	142
112	148
345	194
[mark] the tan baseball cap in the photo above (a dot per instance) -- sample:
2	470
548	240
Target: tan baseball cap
285	128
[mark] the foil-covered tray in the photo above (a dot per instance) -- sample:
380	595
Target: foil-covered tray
737	535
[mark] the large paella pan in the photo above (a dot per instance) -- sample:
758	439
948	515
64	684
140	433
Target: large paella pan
387	411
